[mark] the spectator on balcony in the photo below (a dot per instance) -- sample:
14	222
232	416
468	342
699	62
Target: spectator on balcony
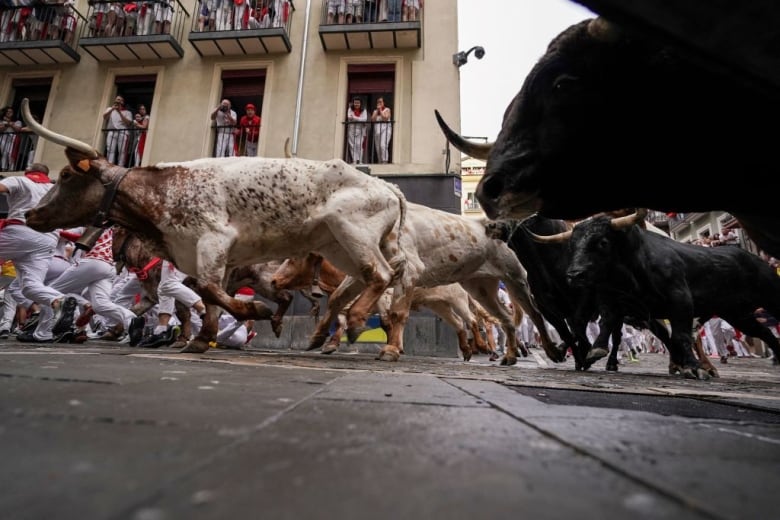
64	23
241	14
223	15
357	119
225	119
355	11
163	16
131	19
336	7
259	17
250	130
412	10
140	124
394	8
145	18
9	139
115	20
383	130
118	119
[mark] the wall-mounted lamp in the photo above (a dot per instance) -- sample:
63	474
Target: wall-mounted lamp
460	58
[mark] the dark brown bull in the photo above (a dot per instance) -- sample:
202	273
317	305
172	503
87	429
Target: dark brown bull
609	120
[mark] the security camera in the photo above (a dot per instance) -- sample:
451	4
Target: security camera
479	52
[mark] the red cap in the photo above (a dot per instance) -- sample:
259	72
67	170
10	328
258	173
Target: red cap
248	106
247	291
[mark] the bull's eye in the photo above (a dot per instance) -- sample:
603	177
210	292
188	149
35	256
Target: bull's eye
563	83
64	175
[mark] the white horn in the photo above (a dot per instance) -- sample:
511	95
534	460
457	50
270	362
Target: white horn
47	134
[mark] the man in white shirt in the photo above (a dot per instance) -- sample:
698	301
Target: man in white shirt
118	120
225	119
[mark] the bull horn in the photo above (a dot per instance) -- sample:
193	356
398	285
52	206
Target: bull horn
558	238
287	152
603	30
629	220
475	150
47	134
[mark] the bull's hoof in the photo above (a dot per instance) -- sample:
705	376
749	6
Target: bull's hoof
389	353
612	367
196	346
179	344
695	373
596	353
329	349
316	341
557	354
493	357
508	361
466	356
522	349
713	372
354	333
276	326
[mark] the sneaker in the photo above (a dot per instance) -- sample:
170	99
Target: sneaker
250	337
27	337
65	337
160	340
64	315
136	330
5	334
31	323
124	339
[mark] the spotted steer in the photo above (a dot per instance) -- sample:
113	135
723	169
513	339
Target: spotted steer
209	216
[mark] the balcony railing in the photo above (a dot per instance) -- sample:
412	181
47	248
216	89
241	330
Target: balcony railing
240	30
16	150
230	141
132	31
125	147
364	143
43	33
363	25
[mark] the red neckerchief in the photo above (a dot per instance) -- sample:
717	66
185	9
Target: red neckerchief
357	111
39	177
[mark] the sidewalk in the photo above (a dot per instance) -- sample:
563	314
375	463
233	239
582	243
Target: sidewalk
109	431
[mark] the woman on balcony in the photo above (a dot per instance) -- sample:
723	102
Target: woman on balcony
9	133
383	130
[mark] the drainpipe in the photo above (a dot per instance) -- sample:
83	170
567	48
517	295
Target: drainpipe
299	98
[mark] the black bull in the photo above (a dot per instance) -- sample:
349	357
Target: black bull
639	273
608	120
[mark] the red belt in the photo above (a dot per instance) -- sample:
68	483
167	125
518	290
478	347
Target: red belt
143	274
11	222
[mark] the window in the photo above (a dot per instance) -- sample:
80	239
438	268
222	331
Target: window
241	88
126	147
21	147
369	83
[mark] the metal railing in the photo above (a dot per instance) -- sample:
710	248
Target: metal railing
129	18
369	142
41	21
227	15
17	148
124	147
368	11
231	141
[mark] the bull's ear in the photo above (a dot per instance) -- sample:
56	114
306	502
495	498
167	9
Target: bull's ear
80	161
603	30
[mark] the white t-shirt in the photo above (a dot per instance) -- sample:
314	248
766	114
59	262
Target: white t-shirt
23	195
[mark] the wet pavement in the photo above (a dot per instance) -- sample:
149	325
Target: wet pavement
102	430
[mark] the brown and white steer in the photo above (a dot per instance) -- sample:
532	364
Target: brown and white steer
209	216
443	248
450	302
